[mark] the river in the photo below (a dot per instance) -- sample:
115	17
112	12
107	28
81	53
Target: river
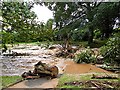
18	64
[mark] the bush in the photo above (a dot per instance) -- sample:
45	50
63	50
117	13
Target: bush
111	52
97	34
85	56
97	43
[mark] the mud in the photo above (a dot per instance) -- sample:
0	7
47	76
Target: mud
74	68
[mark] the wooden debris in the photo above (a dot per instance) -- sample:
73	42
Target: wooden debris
96	85
41	70
103	77
106	85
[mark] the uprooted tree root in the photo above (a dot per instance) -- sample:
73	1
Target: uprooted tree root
95	83
67	52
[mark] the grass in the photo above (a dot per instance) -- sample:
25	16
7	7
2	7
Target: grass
76	77
68	86
96	44
82	43
119	80
70	77
29	43
8	80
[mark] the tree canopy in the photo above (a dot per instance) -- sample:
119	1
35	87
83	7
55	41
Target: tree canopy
70	16
72	20
17	18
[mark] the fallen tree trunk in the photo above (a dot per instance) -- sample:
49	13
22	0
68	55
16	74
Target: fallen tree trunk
103	77
41	70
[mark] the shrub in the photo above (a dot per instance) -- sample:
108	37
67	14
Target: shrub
111	52
97	34
85	56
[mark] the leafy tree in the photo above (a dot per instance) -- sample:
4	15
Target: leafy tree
45	31
17	20
70	16
105	17
49	32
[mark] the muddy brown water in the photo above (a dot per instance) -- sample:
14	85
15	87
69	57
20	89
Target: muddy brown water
74	68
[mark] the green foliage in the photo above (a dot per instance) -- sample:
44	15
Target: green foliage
17	16
73	15
97	43
111	51
20	25
45	31
18	21
7	37
97	34
80	35
105	17
85	56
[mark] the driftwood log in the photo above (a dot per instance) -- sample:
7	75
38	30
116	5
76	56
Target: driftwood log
103	77
41	70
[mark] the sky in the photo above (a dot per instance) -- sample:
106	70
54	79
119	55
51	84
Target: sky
43	13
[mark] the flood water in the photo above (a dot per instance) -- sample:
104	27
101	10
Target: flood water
18	64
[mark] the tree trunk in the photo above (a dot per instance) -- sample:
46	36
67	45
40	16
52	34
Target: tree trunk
90	38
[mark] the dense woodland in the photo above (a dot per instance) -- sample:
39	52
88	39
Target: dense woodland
94	22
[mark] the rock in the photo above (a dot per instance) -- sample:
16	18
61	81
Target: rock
100	57
20	47
52	47
34	48
55	47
